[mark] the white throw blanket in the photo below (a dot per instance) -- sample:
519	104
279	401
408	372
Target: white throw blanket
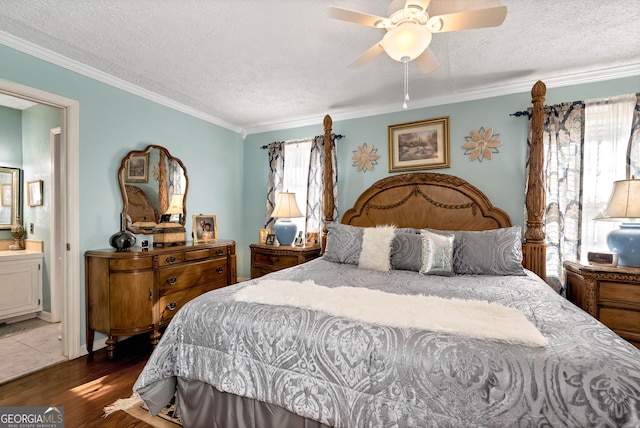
471	318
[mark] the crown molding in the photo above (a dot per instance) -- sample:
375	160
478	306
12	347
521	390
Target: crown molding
85	70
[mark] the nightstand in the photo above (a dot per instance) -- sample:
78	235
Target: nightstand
610	294
272	258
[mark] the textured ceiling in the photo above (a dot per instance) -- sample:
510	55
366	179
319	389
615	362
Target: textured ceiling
258	65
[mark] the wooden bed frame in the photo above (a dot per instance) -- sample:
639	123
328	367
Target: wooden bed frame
446	202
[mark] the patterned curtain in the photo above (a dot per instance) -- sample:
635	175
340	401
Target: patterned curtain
315	200
633	155
562	139
276	177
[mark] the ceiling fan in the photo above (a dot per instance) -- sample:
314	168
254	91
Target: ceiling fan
409	29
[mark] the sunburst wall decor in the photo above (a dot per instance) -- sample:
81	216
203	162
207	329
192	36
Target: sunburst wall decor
365	157
481	144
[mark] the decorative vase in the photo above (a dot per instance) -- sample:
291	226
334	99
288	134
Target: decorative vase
124	239
17	231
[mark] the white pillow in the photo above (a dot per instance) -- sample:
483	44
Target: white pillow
376	248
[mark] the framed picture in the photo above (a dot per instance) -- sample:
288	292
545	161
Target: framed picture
271	239
419	145
137	170
34	193
6	195
205	228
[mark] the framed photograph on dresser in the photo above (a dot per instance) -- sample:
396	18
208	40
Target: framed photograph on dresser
205	228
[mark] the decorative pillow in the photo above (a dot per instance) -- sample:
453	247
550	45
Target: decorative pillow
376	248
344	243
489	252
406	251
437	252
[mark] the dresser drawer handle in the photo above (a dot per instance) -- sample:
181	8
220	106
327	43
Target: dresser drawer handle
172	306
219	269
171	259
276	259
219	251
172	280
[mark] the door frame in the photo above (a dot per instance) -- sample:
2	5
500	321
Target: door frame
69	207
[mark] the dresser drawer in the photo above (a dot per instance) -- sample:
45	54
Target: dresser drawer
619	291
171	303
130	264
170	259
275	260
182	277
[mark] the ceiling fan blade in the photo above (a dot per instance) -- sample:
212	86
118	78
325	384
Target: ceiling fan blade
353	16
367	56
427	62
491	17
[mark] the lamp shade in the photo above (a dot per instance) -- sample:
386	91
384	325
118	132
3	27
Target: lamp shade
286	206
406	40
624	203
176	204
624	206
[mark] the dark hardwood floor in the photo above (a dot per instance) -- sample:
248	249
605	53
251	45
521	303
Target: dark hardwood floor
84	386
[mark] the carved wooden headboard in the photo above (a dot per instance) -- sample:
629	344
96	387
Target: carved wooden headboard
442	201
422	199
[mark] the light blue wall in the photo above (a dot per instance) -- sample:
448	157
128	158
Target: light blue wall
114	122
37	122
502	178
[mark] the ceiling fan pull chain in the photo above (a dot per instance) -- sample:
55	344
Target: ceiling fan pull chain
405	60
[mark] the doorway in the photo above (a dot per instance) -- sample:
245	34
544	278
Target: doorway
65	242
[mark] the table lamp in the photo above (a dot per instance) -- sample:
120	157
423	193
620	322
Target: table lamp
286	209
624	206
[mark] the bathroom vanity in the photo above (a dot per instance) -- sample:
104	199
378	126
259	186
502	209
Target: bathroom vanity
21	284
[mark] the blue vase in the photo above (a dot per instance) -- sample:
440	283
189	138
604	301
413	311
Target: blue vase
285	231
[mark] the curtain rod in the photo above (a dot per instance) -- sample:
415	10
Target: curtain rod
336	136
521	113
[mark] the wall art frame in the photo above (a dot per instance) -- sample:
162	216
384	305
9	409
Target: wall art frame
419	145
137	168
34	193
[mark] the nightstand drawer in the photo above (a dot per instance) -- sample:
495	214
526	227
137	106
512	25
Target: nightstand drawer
620	319
275	260
619	291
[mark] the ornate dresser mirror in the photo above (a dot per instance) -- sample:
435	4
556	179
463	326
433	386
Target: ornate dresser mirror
151	181
9	196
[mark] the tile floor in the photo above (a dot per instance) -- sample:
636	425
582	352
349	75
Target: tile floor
26	352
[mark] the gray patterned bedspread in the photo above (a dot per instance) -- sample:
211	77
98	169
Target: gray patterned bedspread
348	374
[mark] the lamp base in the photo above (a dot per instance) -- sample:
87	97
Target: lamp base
285	231
625	242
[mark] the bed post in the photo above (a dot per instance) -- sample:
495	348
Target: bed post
535	253
328	203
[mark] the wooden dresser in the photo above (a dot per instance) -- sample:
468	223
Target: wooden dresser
138	291
610	294
271	258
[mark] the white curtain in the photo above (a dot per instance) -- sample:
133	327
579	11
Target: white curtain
607	128
296	177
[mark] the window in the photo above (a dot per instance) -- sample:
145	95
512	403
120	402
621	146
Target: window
296	176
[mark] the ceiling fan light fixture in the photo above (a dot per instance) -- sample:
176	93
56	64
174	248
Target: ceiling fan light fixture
406	40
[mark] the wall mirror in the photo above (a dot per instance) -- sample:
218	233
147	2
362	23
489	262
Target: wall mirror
9	196
152	181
